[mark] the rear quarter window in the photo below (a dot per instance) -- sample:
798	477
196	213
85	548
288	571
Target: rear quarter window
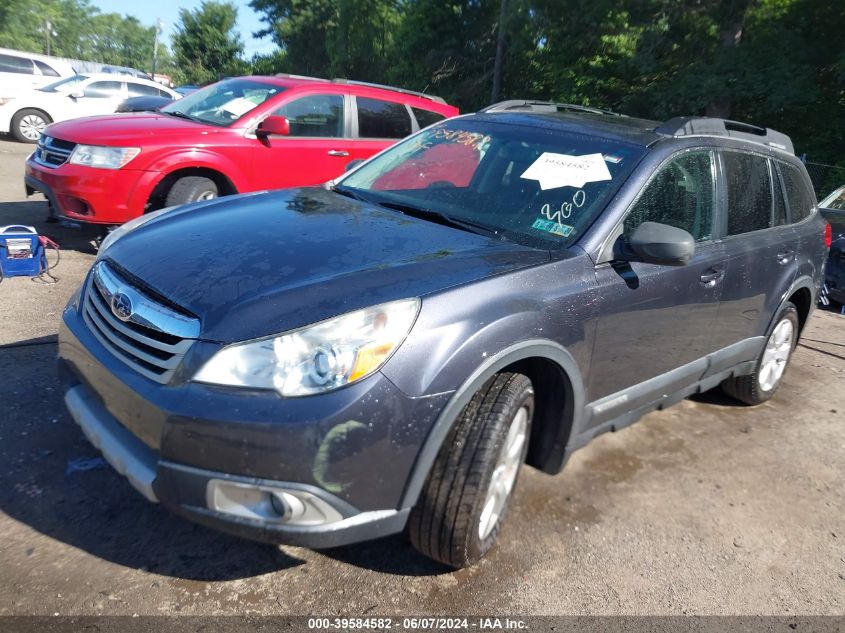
799	196
426	117
46	70
749	186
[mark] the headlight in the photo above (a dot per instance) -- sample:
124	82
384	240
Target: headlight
316	358
103	157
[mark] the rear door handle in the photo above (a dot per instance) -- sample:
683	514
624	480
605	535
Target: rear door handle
712	277
338	152
784	257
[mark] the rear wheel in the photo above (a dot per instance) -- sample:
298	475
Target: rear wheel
191	189
465	499
762	384
28	124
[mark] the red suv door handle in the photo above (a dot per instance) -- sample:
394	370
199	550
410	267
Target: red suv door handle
338	152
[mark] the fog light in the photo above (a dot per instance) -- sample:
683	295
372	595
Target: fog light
270	504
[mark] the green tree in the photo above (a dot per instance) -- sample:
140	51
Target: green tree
333	38
206	45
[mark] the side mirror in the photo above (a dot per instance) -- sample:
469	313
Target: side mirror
273	126
352	164
76	94
657	243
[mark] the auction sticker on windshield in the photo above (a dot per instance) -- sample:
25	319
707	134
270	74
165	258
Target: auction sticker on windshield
561	170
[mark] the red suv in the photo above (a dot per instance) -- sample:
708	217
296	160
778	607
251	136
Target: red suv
238	135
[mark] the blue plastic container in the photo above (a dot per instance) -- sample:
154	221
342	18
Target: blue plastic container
21	252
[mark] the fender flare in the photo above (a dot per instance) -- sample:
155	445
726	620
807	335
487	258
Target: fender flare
804	281
542	348
166	164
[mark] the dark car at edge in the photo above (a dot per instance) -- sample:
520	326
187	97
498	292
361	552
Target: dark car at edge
326	365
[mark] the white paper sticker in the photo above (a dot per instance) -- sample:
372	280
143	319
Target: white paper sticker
561	170
238	106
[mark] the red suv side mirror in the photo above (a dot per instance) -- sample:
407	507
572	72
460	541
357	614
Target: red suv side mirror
273	125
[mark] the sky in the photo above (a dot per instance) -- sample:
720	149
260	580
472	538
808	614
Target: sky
147	11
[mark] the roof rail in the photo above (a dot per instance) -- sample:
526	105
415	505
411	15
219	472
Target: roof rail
291	76
709	126
528	105
340	80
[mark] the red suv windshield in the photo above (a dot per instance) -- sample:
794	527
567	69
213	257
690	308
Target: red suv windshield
225	102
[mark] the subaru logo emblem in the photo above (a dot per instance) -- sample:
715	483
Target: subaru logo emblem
121	306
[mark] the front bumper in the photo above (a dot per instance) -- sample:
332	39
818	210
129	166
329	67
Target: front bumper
183	489
353	448
86	194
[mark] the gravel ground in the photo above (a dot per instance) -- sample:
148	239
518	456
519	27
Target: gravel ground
705	508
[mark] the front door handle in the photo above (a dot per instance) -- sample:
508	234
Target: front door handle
784	257
712	277
338	152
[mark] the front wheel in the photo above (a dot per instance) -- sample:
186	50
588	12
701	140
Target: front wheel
771	365
465	499
191	189
28	124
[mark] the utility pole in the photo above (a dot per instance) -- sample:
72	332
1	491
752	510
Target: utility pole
49	32
500	53
159	24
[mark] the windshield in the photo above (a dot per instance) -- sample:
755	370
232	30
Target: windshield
64	84
537	187
225	102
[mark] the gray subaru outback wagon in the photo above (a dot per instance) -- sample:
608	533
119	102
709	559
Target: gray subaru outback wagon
326	365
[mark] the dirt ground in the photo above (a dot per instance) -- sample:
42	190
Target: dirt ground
705	508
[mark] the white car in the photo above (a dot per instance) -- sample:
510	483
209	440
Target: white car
26	114
22	71
835	200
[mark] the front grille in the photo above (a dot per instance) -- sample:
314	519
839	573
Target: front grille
52	152
148	336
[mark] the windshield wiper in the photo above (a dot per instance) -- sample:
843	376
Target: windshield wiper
180	114
343	191
440	218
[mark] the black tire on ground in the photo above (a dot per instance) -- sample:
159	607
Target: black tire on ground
191	189
446	523
28	116
748	389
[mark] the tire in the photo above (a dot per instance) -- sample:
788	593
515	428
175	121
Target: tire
191	189
452	521
27	125
762	384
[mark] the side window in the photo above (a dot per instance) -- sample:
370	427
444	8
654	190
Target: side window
166	95
382	119
14	64
142	90
799	196
425	117
46	70
681	194
103	89
315	115
749	192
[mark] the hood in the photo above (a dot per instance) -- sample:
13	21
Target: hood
112	129
259	264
